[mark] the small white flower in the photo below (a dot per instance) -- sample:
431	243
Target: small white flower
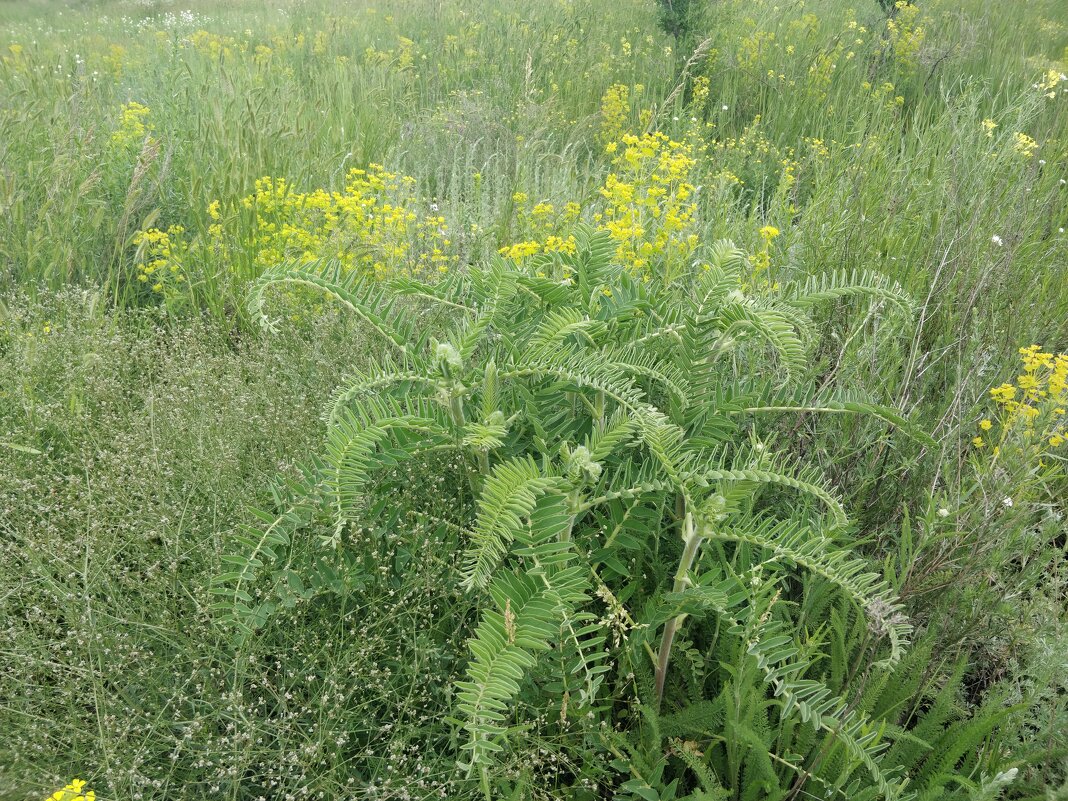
1041	161
1007	502
943	512
1063	182
997	240
724	106
433	206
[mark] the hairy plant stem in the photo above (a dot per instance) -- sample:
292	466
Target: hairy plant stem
692	539
459	420
573	507
456	410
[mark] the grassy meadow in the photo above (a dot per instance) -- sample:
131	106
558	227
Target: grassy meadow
583	399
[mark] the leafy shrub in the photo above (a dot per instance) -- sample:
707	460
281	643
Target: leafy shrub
594	429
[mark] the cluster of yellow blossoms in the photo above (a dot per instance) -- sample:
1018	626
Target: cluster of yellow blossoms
649	207
75	791
761	259
401	59
162	258
543	228
1024	144
214	45
615	113
134	125
906	34
1051	80
371	226
1034	406
221	47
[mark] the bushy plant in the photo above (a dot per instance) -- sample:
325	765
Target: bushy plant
602	447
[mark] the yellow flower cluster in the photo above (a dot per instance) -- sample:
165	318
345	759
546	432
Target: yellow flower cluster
218	47
114	60
649	207
885	92
161	258
215	46
906	35
1024	144
553	244
1049	83
371	226
75	791
543	226
1033	407
761	259
753	46
615	113
134	125
18	61
800	54
402	59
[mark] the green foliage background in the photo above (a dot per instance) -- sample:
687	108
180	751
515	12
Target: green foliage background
140	431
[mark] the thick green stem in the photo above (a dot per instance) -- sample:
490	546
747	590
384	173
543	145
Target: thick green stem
456	411
691	543
573	503
459	420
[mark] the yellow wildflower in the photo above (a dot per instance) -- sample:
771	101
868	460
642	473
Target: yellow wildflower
73	792
1024	144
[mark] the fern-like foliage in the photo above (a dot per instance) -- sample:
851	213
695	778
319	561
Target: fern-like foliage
523	622
508	498
800	545
592	420
816	704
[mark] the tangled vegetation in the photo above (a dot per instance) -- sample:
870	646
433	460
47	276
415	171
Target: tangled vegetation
582	400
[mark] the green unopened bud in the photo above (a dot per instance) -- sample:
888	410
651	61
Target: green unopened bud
715	508
448	359
581	465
